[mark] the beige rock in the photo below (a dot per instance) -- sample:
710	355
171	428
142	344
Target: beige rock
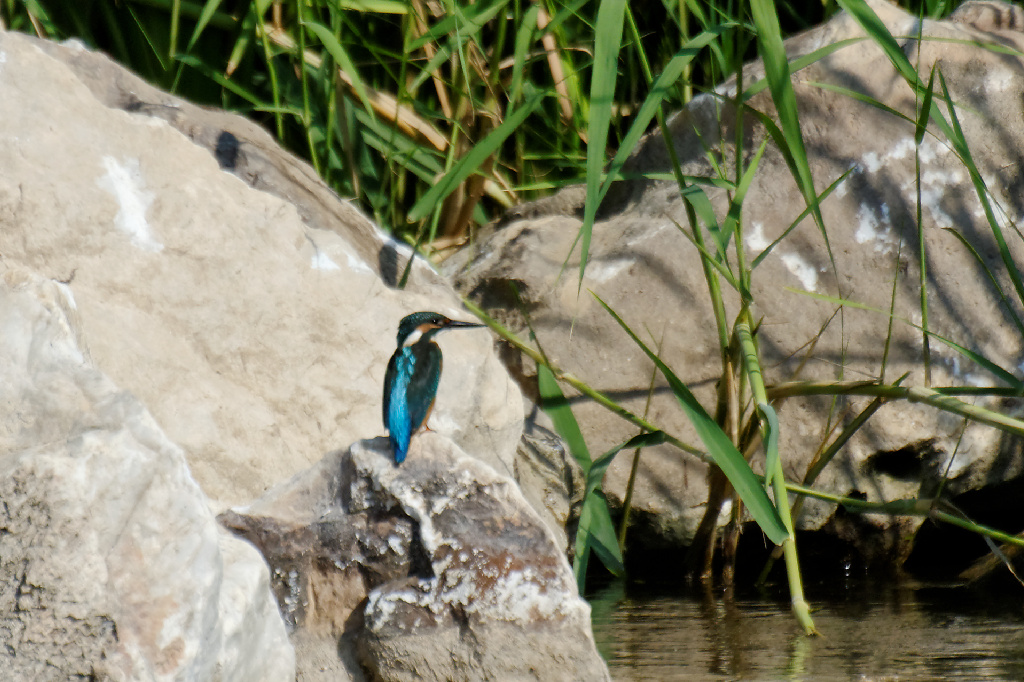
112	565
438	567
651	275
249	312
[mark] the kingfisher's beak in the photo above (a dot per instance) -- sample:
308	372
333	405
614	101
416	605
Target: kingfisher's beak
456	324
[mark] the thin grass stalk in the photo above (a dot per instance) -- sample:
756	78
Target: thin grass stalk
275	88
892	315
307	109
684	33
627	500
739	108
554	59
796	591
818	464
938	399
172	44
925	107
332	125
952	457
908	507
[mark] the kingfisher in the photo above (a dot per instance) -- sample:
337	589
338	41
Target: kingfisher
410	385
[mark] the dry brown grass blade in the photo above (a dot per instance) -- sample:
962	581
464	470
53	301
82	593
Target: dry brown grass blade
555	65
385	104
390	109
428	48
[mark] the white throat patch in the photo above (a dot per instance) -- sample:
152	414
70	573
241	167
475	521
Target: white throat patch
412	338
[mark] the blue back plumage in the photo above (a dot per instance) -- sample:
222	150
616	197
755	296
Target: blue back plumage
399	419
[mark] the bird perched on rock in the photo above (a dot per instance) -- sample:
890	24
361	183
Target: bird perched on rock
410	384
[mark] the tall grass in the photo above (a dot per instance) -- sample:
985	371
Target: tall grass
436	116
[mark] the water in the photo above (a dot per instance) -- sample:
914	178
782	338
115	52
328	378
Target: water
868	634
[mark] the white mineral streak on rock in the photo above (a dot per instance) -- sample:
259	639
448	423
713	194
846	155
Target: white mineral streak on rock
125	182
321	261
802	270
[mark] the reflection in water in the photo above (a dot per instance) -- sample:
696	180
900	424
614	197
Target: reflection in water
868	634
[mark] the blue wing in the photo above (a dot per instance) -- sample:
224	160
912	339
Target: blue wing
424	381
396	402
410	387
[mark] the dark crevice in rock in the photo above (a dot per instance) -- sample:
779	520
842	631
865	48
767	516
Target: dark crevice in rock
391	264
905	464
942	551
419	558
226	150
504	295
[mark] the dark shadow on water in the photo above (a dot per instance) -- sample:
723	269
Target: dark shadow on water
872	630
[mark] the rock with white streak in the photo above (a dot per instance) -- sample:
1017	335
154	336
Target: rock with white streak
650	273
248	307
112	565
435	569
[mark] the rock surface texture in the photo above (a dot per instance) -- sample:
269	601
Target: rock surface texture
246	315
244	304
112	565
437	569
647	271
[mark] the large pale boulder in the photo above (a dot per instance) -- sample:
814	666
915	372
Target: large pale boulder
112	565
436	569
217	279
650	273
249	309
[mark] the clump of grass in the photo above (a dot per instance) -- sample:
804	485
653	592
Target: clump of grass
746	404
434	116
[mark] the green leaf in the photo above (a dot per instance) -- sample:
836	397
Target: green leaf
554	403
376	6
791	141
721	449
960	145
801	63
524	36
600	465
926	107
607	41
209	9
732	218
601	531
698	199
343	60
876	30
596	532
581	550
220	80
469	164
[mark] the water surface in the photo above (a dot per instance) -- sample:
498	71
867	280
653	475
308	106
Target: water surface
869	633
